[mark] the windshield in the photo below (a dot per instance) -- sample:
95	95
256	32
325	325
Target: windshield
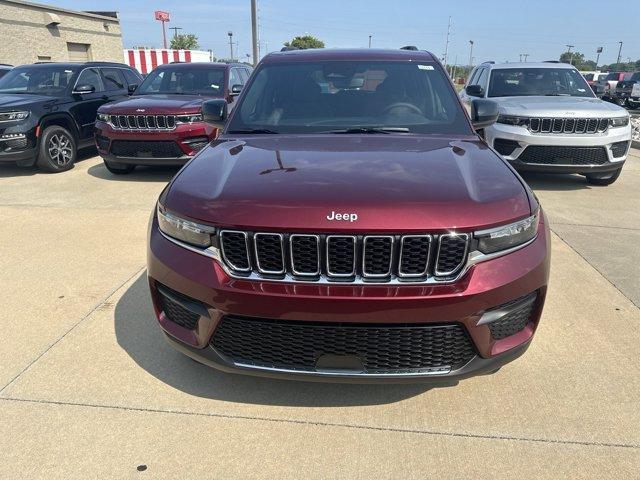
185	81
43	80
311	97
516	82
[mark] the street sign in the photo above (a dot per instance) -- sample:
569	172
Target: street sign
162	16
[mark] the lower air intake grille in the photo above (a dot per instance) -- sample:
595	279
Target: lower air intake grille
381	348
618	149
141	149
516	320
549	155
504	146
176	312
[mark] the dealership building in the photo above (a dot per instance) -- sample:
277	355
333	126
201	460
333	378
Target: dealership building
33	32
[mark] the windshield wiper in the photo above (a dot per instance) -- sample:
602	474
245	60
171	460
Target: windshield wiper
557	94
371	130
253	130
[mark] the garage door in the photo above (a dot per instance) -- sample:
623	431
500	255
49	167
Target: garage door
78	52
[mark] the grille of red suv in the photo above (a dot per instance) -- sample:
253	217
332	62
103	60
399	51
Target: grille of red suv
143	149
568	125
143	122
381	349
370	258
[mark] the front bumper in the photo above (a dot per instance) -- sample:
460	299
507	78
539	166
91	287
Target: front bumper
18	143
525	138
181	136
485	286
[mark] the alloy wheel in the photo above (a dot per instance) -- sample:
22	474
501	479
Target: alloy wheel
60	149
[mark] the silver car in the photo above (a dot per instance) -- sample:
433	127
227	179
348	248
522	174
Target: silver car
551	121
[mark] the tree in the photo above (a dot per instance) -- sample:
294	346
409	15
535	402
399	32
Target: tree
187	41
304	42
575	58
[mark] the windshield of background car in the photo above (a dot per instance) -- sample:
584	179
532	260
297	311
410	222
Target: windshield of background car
50	80
517	82
310	97
185	81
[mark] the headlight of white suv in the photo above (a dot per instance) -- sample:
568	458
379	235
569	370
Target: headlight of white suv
13	116
184	230
619	121
513	120
508	236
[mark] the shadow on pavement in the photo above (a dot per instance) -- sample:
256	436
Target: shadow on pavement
12	170
140	174
140	336
554	181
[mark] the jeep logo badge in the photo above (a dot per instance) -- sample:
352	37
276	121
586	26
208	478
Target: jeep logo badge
140	110
345	217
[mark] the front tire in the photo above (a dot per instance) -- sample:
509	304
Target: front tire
119	168
603	179
57	151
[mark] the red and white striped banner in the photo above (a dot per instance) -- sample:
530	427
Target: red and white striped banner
146	60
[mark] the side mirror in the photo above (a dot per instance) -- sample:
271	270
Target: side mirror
474	90
132	88
214	112
236	89
83	89
483	113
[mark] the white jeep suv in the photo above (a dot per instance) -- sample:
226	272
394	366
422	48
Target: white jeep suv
551	121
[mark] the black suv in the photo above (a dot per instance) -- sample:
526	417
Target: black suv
48	110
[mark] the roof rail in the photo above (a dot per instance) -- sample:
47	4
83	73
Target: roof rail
488	62
553	61
289	48
409	47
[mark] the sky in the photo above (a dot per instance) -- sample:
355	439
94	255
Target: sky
501	30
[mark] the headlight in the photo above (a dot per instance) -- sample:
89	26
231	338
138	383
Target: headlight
508	236
184	230
513	120
619	121
13	116
103	117
189	118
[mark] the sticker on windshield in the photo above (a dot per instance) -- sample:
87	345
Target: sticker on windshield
425	67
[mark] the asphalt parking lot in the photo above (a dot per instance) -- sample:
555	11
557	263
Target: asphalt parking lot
88	387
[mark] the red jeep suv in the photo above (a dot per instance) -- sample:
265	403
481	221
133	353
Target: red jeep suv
161	124
349	224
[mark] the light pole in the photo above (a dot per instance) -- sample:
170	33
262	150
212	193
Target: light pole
598	52
470	55
446	45
370	40
175	31
525	55
619	55
569	47
254	31
230	33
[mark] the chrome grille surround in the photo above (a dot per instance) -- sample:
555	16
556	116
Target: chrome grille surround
143	122
560	125
338	258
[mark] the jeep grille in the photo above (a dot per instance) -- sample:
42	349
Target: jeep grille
346	258
568	125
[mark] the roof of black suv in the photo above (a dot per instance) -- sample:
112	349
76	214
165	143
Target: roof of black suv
351	54
191	65
77	64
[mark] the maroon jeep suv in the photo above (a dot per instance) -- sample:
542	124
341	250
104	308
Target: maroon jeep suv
349	224
161	124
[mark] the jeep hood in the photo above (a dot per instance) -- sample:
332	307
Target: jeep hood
392	183
557	106
156	104
10	101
